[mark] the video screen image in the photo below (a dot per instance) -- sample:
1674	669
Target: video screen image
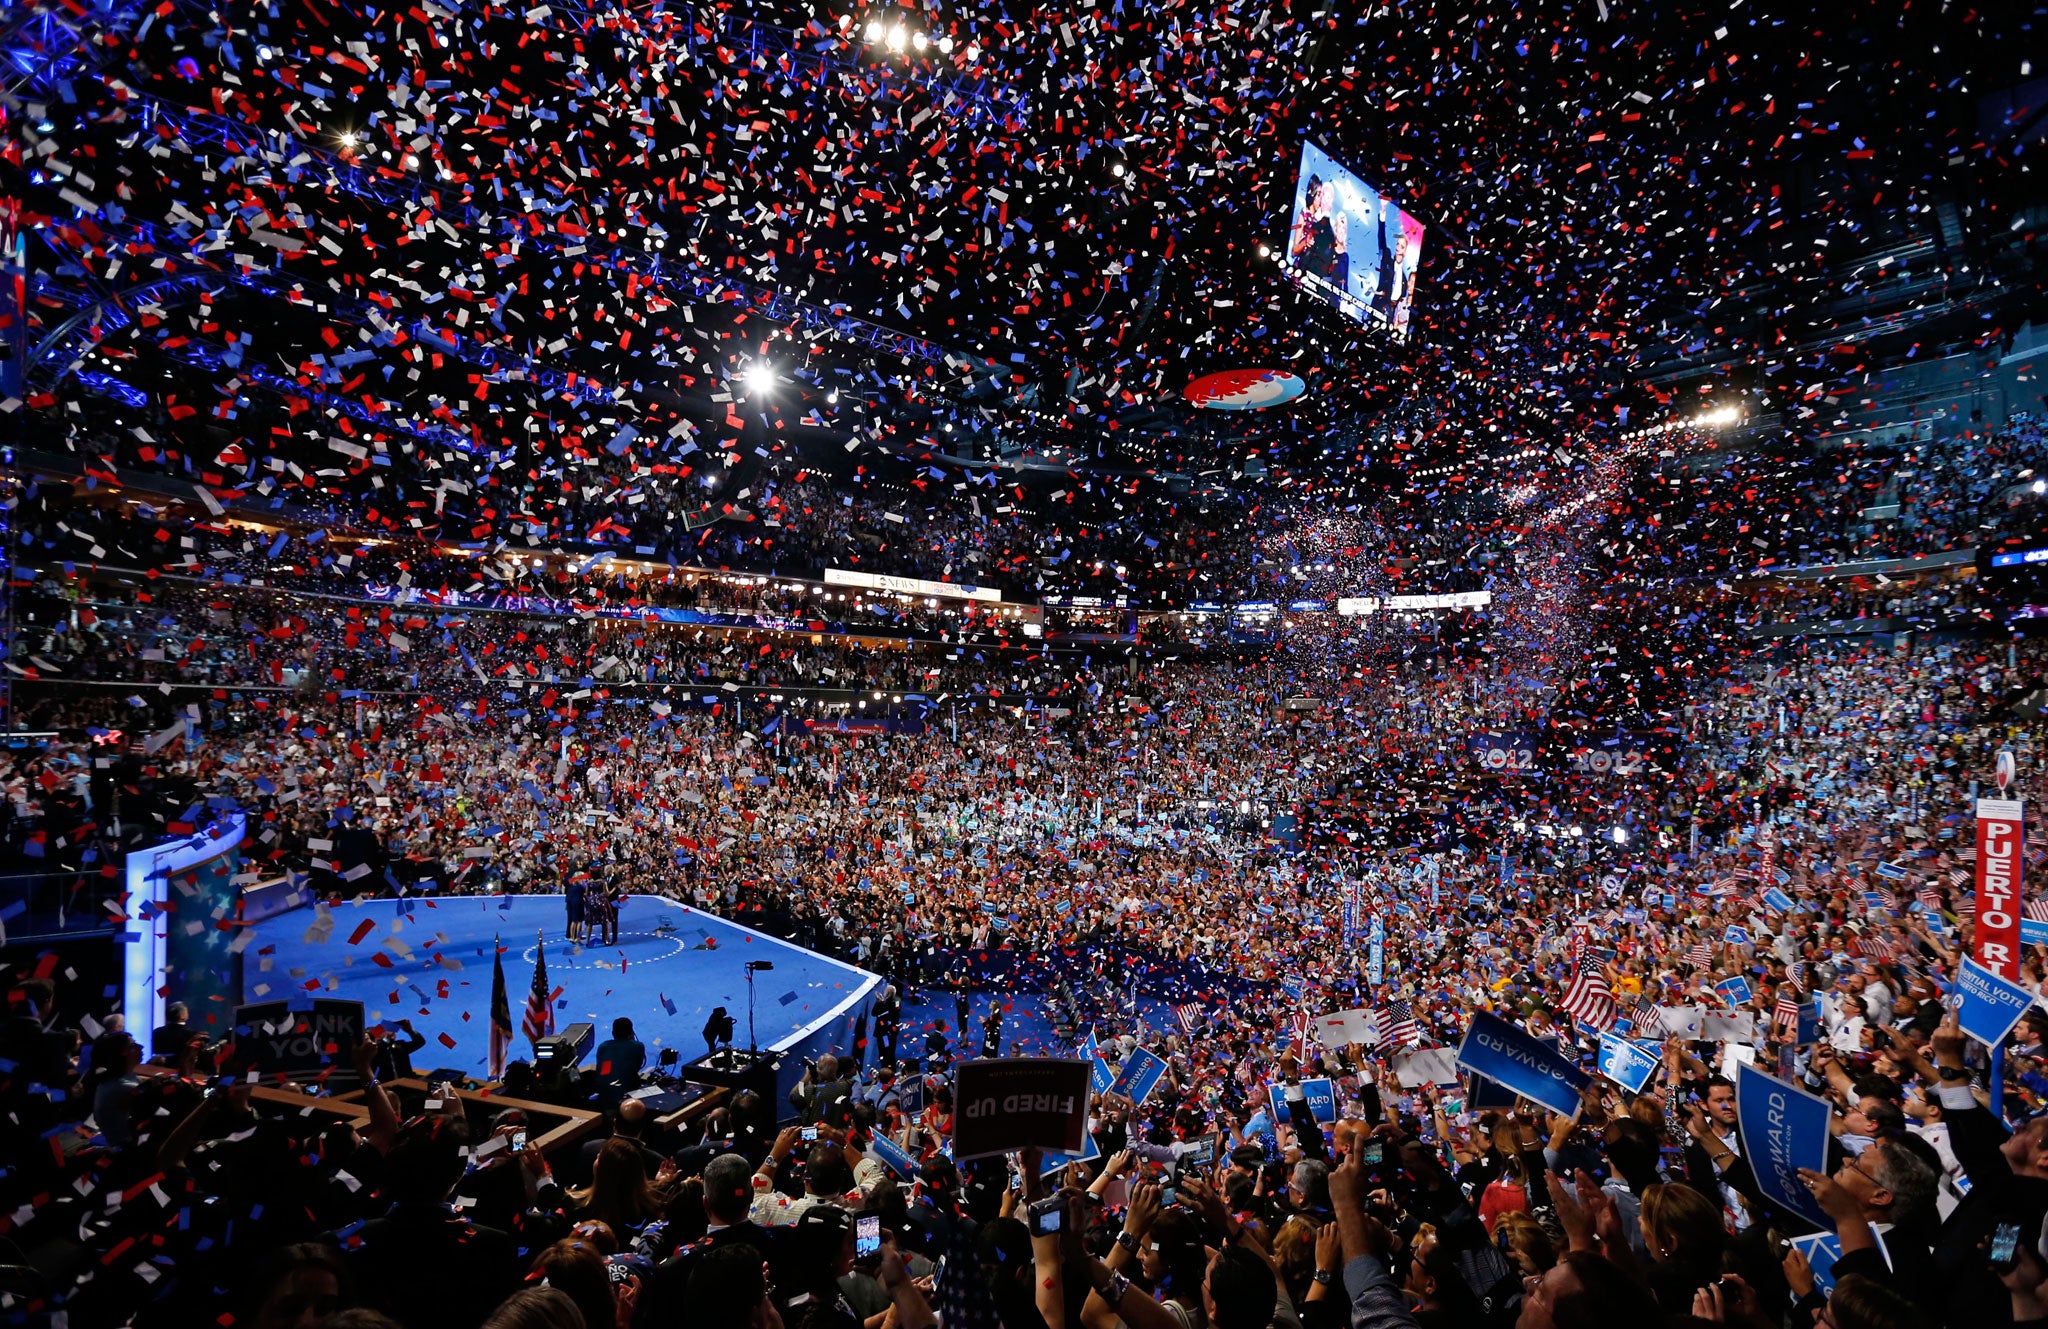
1352	246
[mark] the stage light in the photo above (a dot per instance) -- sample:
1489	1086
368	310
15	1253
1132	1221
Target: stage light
348	138
1117	169
759	378
2041	486
1265	251
874	30
945	46
898	38
1620	835
832	397
919	40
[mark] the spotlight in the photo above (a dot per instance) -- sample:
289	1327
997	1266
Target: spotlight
759	378
1117	170
874	30
898	38
348	138
919	40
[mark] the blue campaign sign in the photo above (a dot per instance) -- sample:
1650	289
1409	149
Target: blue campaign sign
1321	1096
1822	1249
1810	1023
1537	1070
1737	935
1628	1064
1784	1128
1140	1075
2034	932
1375	961
1777	901
1991	1005
894	1157
1053	1162
1734	991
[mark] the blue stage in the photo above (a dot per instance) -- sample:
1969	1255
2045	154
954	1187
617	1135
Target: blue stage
429	960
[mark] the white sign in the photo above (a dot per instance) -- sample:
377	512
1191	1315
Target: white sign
875	581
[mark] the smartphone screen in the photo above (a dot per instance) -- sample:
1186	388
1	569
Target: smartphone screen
1371	1153
519	1139
2005	1246
867	1235
810	1133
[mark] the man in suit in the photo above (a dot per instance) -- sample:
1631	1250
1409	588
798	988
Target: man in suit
728	1192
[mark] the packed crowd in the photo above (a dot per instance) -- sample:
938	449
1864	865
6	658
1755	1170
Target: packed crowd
1418	1205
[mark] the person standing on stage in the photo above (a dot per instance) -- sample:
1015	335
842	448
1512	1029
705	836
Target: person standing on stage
572	898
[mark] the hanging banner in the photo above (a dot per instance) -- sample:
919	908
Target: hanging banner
2000	838
1376	954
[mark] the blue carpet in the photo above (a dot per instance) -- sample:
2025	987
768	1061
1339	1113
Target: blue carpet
439	975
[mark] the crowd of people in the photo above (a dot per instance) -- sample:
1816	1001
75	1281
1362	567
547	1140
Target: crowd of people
1115	822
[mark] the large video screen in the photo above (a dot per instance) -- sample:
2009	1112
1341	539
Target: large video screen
1350	245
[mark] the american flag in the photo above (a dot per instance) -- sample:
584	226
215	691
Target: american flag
1299	1026
1701	956
1398	1024
1886	900
1929	895
501	1015
1590	1000
2035	911
540	1006
1785	1015
1873	947
1642	1017
1958	876
1189	1013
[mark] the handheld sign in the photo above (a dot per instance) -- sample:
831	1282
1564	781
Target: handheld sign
1734	991
1784	1128
1628	1064
1537	1070
1321	1096
1013	1103
1990	1005
1053	1161
893	1156
1141	1073
2001	836
284	1041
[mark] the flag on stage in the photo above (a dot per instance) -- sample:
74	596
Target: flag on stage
501	1014
540	1006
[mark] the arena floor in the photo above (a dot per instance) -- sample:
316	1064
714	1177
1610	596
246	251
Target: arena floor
671	967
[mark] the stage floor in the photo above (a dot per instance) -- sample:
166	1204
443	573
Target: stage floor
429	960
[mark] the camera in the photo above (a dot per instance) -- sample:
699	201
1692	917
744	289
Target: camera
1043	1216
2004	1252
808	1134
867	1237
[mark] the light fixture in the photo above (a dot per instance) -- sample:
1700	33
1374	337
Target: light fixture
759	378
898	38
